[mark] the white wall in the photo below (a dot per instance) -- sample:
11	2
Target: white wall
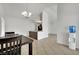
2	27
16	22
52	19
68	14
1	15
1	10
19	26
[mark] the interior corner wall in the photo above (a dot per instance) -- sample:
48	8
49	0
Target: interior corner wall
67	15
52	19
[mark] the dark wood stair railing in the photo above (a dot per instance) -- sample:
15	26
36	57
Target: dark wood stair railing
8	46
11	44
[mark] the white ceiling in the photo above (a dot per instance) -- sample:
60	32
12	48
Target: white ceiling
16	8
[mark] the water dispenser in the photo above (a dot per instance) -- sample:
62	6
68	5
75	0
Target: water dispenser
72	37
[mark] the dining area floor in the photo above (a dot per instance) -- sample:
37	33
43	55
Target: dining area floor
49	46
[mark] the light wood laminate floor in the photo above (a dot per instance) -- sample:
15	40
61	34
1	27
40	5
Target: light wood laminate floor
49	46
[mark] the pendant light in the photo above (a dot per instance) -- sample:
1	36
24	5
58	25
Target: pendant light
26	13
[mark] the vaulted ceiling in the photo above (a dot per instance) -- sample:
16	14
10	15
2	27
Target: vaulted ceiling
15	9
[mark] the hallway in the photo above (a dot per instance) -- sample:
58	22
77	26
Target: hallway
49	46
